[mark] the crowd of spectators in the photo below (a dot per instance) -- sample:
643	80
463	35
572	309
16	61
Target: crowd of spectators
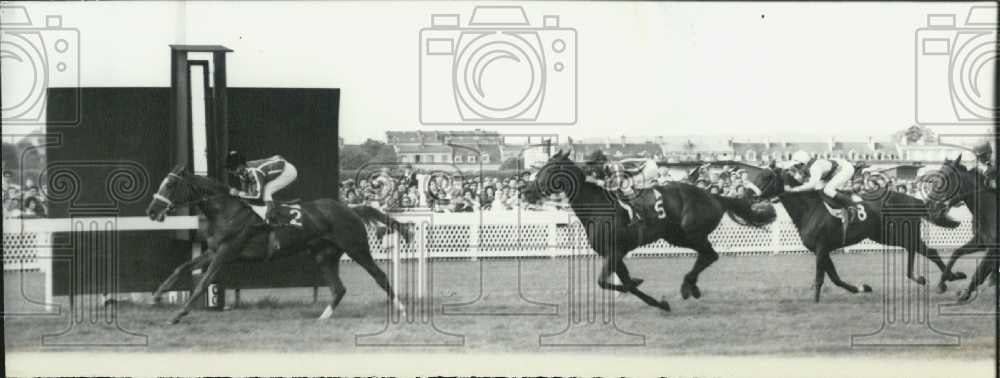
452	193
23	201
447	193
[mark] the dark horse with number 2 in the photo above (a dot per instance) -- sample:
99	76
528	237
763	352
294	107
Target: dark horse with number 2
235	232
823	233
679	213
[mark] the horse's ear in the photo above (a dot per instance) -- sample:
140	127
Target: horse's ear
773	165
957	160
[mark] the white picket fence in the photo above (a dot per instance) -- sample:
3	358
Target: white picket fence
559	233
509	234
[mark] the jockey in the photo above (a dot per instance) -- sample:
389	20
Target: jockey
985	166
824	175
643	173
260	179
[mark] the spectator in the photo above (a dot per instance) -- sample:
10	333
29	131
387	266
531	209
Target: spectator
33	208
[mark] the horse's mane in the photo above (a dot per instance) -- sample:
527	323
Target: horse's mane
208	184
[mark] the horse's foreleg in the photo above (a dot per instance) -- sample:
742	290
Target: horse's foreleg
608	272
213	268
630	285
910	257
192	264
831	270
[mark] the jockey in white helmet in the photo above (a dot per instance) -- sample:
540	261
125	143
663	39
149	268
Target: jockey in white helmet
642	173
824	175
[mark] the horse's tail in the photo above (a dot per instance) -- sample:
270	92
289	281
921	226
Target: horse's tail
747	212
376	218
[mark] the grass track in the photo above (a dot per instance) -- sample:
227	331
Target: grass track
750	305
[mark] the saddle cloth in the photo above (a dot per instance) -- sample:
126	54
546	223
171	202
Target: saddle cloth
285	212
643	202
838	212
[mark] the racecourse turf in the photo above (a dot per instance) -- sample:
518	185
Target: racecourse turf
750	305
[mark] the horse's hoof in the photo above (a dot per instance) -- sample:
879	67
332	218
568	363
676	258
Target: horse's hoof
964	295
685	290
664	305
957	276
868	289
942	287
695	291
921	280
173	321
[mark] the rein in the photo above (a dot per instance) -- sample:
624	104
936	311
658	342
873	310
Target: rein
170	204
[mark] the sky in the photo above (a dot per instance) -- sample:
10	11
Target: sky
750	70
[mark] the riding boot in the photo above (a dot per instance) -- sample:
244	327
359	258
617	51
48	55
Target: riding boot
269	212
272	244
634	217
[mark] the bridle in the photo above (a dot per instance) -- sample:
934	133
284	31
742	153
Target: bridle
170	205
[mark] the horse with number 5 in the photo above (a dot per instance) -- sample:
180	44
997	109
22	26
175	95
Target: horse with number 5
680	213
324	227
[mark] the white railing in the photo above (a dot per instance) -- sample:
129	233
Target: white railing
502	234
559	233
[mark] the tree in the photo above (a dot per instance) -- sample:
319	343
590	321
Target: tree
353	157
372	147
914	134
371	151
514	163
10	157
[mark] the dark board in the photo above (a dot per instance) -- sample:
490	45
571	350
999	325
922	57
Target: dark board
109	164
302	126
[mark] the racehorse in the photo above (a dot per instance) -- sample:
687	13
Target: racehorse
962	185
235	232
680	213
823	233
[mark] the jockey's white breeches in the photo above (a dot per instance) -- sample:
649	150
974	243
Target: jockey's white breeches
647	177
286	177
845	170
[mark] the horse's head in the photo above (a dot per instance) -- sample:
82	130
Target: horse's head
950	185
559	175
771	180
173	189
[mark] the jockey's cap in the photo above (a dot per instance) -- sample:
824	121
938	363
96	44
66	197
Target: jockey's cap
235	159
983	148
800	157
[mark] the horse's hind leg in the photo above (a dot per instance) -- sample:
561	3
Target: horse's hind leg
195	263
706	256
329	262
969	247
986	268
363	257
